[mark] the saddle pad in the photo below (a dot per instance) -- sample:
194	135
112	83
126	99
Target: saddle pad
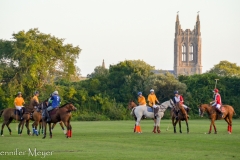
52	112
149	109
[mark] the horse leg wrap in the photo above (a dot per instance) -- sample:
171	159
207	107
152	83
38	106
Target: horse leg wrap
230	129
138	129
154	129
158	129
70	133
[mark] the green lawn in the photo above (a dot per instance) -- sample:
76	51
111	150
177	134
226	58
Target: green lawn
115	140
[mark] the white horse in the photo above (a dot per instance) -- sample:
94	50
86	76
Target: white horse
139	111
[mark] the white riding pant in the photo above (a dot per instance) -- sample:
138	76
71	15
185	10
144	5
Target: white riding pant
143	105
217	105
154	106
19	107
184	106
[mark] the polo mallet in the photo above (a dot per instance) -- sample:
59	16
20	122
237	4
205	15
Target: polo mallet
216	83
215	86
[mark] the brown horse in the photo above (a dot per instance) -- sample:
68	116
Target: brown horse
63	114
37	118
10	114
182	116
227	110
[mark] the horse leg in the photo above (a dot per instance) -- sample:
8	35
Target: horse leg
158	124
187	126
9	129
180	126
27	126
50	129
44	126
33	128
20	127
229	124
4	123
174	126
54	124
36	126
215	129
70	128
66	123
62	126
138	128
154	127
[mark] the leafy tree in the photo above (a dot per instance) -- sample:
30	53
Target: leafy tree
225	68
34	59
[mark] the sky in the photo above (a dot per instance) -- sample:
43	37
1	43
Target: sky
118	30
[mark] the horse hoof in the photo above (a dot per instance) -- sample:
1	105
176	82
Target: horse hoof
209	132
229	133
215	132
2	135
43	137
64	132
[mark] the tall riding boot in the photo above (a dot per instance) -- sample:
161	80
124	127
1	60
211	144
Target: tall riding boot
176	115
47	116
155	110
219	110
21	114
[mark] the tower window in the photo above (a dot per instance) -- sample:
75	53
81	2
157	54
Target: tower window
191	53
183	53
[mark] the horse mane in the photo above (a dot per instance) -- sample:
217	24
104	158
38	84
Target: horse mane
65	104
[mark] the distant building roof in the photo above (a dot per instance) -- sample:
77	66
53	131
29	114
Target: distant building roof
163	71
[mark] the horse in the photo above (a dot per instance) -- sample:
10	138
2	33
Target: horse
11	113
139	111
63	114
182	116
37	118
227	111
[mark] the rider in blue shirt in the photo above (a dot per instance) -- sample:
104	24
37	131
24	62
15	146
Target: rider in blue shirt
55	102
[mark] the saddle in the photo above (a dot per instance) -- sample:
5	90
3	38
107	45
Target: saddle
52	112
149	109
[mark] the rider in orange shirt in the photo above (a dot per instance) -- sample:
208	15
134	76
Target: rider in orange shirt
152	99
18	103
141	99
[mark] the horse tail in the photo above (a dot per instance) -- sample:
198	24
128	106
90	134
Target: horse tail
132	112
1	112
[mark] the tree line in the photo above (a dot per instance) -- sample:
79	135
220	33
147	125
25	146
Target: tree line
37	61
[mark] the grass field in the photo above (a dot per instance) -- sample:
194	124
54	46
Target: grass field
115	140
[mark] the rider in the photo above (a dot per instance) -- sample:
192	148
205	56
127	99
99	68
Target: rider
18	102
35	100
55	102
141	99
179	99
152	99
217	101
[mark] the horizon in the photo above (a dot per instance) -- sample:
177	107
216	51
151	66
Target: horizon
128	30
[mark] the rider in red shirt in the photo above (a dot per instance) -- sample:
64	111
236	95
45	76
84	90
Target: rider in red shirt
217	101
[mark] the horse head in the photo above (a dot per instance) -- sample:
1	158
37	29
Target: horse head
131	104
171	103
70	107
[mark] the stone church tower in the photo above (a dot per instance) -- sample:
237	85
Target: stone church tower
187	50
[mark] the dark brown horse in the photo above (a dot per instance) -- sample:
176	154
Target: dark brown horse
10	114
63	114
227	111
182	116
37	118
